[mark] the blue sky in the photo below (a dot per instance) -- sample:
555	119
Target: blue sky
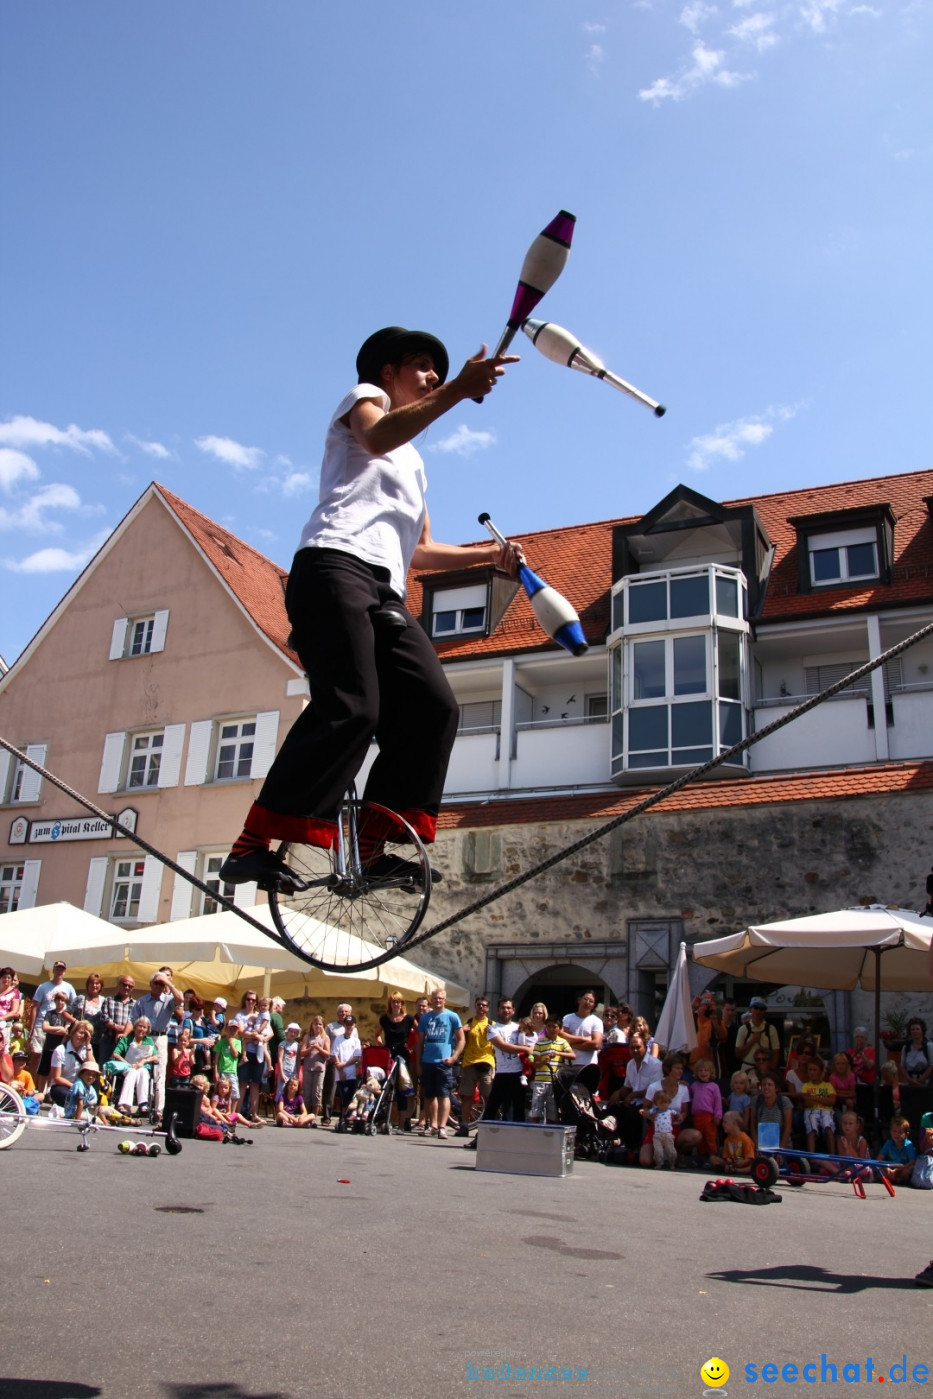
206	208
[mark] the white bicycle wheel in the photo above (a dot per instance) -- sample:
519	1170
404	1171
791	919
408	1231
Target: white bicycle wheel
12	1116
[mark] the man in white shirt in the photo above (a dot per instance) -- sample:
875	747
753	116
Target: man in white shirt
584	1031
346	1051
640	1072
508	1093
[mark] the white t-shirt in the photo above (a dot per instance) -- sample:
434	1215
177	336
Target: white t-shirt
505	1063
371	507
583	1025
680	1101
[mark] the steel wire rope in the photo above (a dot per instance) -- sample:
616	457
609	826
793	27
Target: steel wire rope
500	890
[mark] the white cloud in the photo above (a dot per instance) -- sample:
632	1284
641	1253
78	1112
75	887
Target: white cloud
695	14
464	441
706	67
16	466
230	452
56	560
756	30
595	58
29	432
152	449
818	12
31	515
297	483
729	441
590	28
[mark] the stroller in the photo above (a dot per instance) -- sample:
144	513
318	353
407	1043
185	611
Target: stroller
597	1128
369	1113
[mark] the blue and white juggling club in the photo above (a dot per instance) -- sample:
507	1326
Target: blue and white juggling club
554	613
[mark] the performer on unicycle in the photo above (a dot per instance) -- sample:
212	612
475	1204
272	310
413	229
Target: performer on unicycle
371	669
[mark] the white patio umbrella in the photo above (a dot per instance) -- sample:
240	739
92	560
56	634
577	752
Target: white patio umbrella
33	939
877	948
676	1029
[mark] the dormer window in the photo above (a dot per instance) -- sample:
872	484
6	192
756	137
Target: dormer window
458	611
846	557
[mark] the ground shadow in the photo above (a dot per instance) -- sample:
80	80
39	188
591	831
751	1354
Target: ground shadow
805	1277
47	1389
220	1391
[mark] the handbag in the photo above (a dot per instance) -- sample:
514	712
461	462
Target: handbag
207	1133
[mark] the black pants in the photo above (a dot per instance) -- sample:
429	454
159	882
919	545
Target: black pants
368	678
506	1099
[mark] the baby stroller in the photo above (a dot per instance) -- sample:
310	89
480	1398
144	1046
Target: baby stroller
597	1128
370	1112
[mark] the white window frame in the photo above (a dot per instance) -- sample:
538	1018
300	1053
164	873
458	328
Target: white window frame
188	901
238	741
459	601
122	636
840	540
21	785
117	758
153	739
205	742
103	876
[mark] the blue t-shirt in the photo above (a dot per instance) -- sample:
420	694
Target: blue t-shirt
81	1092
898	1155
438	1027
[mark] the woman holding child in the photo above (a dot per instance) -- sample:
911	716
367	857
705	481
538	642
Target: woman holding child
672	1085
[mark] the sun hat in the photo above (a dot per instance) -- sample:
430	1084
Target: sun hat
219	1001
757	1003
393	343
90	1066
293	1026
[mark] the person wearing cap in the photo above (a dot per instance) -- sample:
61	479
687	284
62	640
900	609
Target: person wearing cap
21	1079
372	670
286	1059
39	1007
757	1034
83	1099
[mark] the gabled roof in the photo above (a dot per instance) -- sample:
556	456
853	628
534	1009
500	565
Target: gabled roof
256	582
889	779
577	560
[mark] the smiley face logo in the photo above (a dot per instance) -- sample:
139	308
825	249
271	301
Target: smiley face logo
714	1373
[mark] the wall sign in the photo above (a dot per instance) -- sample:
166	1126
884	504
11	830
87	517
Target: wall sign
58	828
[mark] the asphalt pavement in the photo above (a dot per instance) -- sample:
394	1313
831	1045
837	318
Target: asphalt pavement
317	1266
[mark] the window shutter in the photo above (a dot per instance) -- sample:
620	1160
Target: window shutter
6	760
118	639
199	747
159	629
32	782
96	879
244	895
267	729
112	762
151	891
181	894
30	885
172	743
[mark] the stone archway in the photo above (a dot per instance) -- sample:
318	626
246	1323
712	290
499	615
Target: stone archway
527	973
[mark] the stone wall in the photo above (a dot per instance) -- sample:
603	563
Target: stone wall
715	869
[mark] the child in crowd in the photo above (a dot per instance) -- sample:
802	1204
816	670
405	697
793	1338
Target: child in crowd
707	1107
57	1027
287	1059
224	1103
664	1146
738	1151
889	1077
83	1097
899	1150
227	1053
22	1079
181	1056
818	1102
842	1077
739	1098
921	1175
527	1036
850	1141
366	1094
208	1115
17	1038
549	1053
291	1111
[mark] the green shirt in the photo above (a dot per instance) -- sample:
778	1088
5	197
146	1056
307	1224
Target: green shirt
227	1052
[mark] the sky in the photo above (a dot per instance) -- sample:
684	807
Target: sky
205	209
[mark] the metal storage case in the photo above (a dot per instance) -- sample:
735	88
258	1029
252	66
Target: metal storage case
525	1148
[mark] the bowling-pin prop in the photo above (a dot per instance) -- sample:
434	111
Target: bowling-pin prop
553	611
562	347
544	262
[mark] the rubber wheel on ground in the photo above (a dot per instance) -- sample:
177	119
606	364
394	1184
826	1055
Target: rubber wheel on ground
342	920
766	1171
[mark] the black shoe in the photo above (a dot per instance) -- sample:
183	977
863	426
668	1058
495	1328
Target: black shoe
471	1145
386	870
925	1276
264	868
462	1132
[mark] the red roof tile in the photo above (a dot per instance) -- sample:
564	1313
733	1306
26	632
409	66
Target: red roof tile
598	807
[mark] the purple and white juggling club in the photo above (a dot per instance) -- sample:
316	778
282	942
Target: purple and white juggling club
544	261
554	613
562	347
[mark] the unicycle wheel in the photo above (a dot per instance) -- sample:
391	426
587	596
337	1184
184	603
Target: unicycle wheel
348	918
12	1116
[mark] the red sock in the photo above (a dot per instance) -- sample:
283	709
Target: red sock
246	843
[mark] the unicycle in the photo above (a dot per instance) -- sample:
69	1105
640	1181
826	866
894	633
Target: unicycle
344	918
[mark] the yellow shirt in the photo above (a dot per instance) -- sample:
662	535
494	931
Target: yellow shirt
478	1050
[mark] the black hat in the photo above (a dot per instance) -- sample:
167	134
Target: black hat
392	344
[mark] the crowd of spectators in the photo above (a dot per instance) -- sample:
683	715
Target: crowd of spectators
702	1108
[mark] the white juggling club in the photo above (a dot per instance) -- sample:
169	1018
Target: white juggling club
563	348
554	613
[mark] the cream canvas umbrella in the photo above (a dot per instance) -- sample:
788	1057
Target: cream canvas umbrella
33	939
677	1028
877	948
